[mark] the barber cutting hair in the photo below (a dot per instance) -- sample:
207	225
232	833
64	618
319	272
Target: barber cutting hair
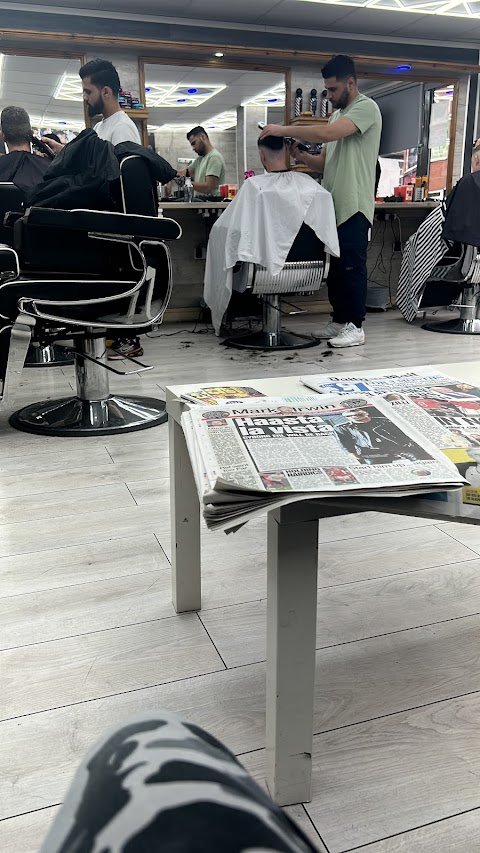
348	164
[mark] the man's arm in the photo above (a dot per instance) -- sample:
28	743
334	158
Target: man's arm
331	132
208	186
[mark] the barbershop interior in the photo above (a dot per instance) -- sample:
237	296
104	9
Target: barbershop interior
227	231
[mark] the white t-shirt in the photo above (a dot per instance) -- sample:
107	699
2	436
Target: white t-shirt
118	128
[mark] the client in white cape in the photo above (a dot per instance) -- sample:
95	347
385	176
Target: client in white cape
261	223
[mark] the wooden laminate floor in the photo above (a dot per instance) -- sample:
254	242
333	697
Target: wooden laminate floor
88	634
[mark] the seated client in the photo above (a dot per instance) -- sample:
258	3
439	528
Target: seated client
20	166
260	225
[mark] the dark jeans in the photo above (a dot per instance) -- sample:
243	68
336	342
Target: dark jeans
347	280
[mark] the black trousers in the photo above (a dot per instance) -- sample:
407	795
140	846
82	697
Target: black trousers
347	280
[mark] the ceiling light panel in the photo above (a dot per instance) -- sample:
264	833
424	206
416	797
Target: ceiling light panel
69	88
271	98
222	121
185	95
447	8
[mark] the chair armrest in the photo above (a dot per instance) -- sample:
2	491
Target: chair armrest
104	222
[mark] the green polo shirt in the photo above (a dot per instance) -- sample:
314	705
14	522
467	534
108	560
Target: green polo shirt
351	162
211	164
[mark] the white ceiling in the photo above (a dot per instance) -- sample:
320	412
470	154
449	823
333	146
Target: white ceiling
240	86
285	14
30	82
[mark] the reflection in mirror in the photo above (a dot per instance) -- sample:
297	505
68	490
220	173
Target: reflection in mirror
401	104
48	89
228	103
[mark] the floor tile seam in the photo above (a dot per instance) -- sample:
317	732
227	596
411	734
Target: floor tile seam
73	544
408	710
365	639
406	831
111	695
210	638
29	812
314	827
472	559
451	535
80	583
98	631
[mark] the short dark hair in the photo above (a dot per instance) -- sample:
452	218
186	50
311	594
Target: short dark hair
196	131
102	73
340	67
16	125
273	143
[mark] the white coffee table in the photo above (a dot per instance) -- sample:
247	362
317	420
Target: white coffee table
292	564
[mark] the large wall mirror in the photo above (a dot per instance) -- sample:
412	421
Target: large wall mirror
48	88
227	102
418	126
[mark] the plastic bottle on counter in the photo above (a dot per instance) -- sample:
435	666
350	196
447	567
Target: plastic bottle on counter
298	105
188	191
313	102
324	104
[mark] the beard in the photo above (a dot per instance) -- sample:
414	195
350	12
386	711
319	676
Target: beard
341	102
96	108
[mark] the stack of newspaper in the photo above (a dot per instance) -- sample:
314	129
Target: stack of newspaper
441	408
251	456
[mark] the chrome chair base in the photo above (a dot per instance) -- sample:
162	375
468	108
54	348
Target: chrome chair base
271	341
75	417
458	326
50	355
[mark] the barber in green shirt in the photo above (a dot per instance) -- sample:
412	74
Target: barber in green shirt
348	164
208	170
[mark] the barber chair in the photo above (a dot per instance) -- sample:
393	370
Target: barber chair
305	270
456	279
120	299
50	355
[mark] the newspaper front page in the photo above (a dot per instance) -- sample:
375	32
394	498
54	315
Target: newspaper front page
358	444
444	409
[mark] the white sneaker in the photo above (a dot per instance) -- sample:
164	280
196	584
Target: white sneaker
331	330
350	336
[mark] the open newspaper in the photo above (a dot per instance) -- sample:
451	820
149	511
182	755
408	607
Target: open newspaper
251	457
232	395
444	409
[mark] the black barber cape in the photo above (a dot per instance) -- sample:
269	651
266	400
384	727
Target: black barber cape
86	174
23	169
462	219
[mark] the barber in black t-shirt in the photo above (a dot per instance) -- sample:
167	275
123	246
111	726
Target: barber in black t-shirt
19	166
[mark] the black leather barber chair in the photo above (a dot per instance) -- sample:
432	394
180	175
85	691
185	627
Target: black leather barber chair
50	355
119	298
305	270
455	281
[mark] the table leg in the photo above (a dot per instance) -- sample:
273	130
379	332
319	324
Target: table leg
185	522
291	635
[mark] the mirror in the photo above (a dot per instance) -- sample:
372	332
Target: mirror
227	102
402	105
48	89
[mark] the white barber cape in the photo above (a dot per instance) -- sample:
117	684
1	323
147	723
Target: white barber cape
260	225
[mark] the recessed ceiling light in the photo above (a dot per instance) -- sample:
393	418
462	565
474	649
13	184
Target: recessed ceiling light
448	8
218	54
164	95
404	67
276	96
69	88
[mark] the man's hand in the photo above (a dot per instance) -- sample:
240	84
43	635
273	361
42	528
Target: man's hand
53	146
298	155
273	130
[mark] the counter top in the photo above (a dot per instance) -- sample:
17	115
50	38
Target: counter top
221	205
